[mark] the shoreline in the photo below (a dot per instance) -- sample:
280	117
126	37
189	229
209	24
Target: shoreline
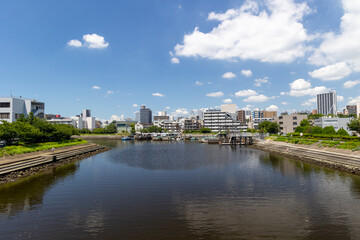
345	161
27	172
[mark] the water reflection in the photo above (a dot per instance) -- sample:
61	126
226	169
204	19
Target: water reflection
27	194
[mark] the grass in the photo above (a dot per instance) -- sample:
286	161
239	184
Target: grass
28	148
354	146
329	143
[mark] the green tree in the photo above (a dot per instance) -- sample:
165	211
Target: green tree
305	123
354	125
342	132
132	125
111	128
329	130
7	132
316	130
205	130
273	128
315	116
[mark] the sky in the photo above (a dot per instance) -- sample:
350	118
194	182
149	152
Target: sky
176	55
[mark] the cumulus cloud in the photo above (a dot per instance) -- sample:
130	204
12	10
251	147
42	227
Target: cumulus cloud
272	108
351	84
258	98
95	41
117	118
74	43
301	87
96	87
158	94
227	100
276	33
215	94
175	60
332	72
354	101
340	98
284	103
344	45
259	82
246	73
309	102
229	75
135	105
109	92
197	83
246	93
180	112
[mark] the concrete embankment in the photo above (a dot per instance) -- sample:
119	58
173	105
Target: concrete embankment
340	161
99	137
17	167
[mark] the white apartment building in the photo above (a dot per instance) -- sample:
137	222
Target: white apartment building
217	121
12	108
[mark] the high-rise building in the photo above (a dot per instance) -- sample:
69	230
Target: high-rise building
358	109
86	113
327	103
145	115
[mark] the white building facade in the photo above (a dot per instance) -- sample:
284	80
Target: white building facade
327	103
337	123
12	108
217	121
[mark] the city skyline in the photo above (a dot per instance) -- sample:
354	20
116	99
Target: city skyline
179	56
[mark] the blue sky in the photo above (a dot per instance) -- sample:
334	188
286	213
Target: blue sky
110	56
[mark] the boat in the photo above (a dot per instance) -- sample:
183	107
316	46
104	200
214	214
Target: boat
126	139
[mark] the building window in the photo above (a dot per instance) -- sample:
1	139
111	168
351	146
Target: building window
4	104
294	118
281	123
294	129
295	123
281	117
281	128
4	115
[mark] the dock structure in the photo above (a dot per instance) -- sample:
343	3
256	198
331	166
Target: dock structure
242	139
18	164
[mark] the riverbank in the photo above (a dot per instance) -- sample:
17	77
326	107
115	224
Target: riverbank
339	159
24	165
99	137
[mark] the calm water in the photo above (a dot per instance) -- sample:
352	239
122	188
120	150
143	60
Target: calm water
160	190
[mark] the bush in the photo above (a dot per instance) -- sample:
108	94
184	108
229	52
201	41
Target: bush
329	130
342	132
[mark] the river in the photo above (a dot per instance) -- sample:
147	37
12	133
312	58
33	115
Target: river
158	190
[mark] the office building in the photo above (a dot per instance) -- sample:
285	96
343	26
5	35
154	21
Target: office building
241	117
160	118
190	124
145	115
337	123
12	108
288	123
327	103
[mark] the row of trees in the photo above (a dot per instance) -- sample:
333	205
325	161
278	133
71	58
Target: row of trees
109	129
34	130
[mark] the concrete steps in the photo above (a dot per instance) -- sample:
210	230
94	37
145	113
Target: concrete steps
11	165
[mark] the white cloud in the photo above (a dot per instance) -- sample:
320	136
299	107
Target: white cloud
228	100
158	94
246	73
109	92
229	75
96	87
354	101
180	112
215	94
301	87
197	83
167	108
246	93
272	108
332	72
95	41
117	118
309	102
343	46
351	84
258	98
300	84
175	60
340	98
209	83
74	43
259	82
135	105
276	33
284	103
